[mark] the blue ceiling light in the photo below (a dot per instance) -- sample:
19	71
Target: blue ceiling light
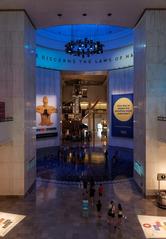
84	48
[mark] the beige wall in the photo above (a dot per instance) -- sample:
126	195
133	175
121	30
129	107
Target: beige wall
150	98
17	74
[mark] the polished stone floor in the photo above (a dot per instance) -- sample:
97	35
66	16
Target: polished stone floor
73	162
53	211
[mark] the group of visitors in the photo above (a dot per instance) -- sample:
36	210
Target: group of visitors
114	214
91	195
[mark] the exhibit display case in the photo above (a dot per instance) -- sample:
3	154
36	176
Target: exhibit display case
161	195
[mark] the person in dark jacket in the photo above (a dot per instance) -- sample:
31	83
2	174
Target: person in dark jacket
85	184
92	194
98	207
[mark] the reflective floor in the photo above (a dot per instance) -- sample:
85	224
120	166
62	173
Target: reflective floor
53	208
74	161
54	211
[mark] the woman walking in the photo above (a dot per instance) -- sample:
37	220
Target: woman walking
120	215
111	214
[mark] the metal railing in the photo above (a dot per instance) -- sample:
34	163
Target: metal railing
6	119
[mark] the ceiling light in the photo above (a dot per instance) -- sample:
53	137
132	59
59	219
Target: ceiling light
85	47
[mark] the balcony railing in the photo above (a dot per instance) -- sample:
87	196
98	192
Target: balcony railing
6	119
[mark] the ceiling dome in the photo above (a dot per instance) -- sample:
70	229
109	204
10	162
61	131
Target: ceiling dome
56	37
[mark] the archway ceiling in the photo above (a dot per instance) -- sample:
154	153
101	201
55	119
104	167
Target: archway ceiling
43	13
84	79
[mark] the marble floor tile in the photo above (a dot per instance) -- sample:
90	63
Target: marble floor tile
54	211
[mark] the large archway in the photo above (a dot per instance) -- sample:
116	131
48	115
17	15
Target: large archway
101	75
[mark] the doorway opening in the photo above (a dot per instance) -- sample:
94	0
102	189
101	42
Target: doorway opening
84	108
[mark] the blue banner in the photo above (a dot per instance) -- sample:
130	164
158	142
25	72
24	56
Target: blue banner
122	115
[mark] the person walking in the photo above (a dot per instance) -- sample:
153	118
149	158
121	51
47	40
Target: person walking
85	206
111	214
100	190
85	184
120	215
98	207
106	154
92	194
92	182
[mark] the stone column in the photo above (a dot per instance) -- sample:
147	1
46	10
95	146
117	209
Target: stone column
17	73
150	99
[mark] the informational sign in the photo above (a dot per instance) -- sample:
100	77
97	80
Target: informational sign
8	221
122	115
31	163
161	118
161	176
153	226
138	167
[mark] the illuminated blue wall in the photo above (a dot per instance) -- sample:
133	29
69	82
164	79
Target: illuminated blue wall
111	36
118	47
59	60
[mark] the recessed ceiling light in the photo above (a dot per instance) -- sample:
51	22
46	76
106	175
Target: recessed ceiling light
84	14
59	14
109	14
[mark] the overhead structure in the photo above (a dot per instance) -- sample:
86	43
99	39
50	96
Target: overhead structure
115	12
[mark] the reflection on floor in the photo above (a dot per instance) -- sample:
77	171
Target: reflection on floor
72	162
53	211
52	141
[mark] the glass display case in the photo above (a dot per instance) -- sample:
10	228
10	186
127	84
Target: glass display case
161	195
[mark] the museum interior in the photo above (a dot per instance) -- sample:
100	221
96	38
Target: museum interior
82	119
